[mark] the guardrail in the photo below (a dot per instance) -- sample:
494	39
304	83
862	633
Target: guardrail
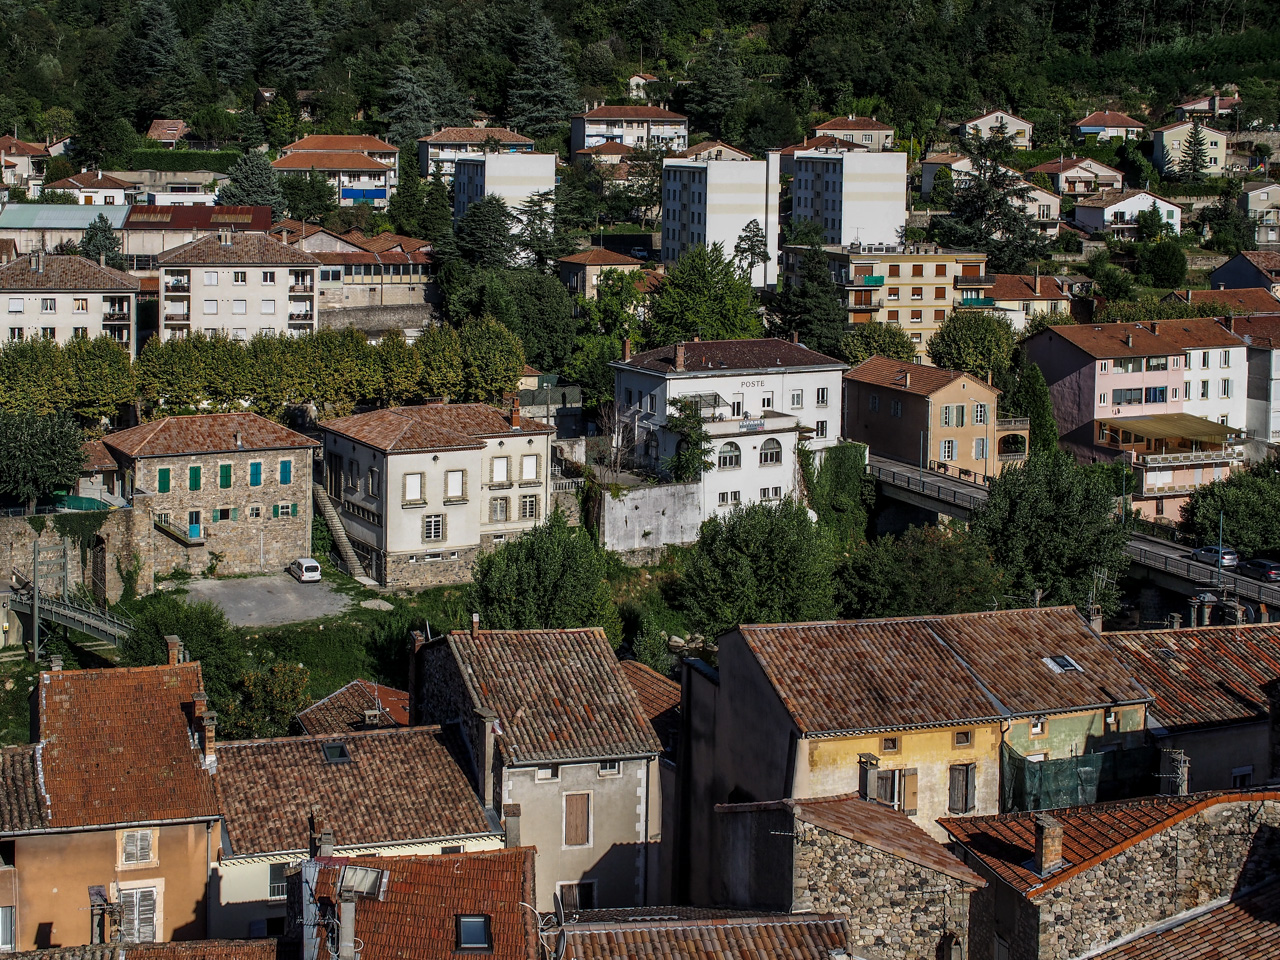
566	484
938	491
1203	575
1197	456
1013	423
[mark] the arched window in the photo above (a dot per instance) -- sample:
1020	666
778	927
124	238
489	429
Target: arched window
730	456
770	452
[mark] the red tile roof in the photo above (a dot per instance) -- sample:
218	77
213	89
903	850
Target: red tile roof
252	249
22	801
89	181
264	949
1108	118
600	257
1246	927
431	426
97	457
1071	163
1109	198
559	694
1186	123
1012	286
21	148
711	146
1206	676
894	374
631	113
1109	340
1005	843
1261	330
610	148
329	160
1227	102
450	135
205	433
774	937
854	123
813	143
342	144
417	918
343	710
166	217
167	130
116	747
385	242
1264	260
400	785
899	673
659	699
992	113
702	356
1240	301
64	272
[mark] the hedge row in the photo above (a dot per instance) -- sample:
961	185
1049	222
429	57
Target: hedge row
183	161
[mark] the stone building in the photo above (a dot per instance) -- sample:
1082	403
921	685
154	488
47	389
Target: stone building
231	491
1068	883
905	896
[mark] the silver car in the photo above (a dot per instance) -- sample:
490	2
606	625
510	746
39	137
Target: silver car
1211	556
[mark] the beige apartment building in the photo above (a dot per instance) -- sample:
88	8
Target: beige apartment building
61	297
1018	130
1170	141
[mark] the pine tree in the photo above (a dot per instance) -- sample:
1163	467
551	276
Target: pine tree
716	84
542	240
252	183
296	46
157	49
1195	156
812	308
437	221
405	208
484	233
228	45
704	296
308	196
541	95
249	129
100	241
411	110
752	248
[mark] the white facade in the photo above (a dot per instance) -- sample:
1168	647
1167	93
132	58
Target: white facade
857	197
514	177
711	201
1018	130
1262	415
1215	384
57	298
1122	212
182	198
643	127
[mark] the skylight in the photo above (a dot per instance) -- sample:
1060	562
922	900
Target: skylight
336	753
1061	663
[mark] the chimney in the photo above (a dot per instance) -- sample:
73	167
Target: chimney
1128	339
475	626
210	721
199	703
55	662
372	719
511	823
1095	619
1272	690
239	440
484	776
1155	328
795	336
1230	323
416	642
515	417
626	349
321	834
906	380
102	259
680	356
1048	844
175	649
347	927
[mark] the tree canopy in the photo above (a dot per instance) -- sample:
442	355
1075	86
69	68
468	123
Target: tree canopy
702	296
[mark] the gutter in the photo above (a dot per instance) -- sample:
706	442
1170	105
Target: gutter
120	825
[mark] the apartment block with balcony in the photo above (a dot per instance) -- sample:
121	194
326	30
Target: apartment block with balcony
1261	203
63	297
1116	212
705	202
237	285
652	128
512	177
444	147
856	196
361	168
862	133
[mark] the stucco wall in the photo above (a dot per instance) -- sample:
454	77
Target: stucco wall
1215	754
643	518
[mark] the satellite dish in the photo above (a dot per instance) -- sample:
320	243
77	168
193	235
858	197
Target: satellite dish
562	940
555	897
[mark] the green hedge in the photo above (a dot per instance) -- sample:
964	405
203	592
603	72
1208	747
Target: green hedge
182	161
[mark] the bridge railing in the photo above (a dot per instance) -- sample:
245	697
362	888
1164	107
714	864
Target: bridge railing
908	480
1203	574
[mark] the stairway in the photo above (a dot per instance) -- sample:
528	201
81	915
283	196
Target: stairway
338	533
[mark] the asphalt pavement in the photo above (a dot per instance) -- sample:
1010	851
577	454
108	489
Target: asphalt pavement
270	601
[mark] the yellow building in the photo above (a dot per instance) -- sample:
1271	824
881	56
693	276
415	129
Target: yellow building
1170	142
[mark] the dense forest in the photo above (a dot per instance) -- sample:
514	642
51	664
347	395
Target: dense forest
750	71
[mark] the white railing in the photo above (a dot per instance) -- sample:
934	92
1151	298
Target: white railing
1194	456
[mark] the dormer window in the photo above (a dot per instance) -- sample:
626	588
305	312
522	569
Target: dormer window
474	932
336	753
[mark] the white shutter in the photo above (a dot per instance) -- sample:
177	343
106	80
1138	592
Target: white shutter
412	487
147	915
499	469
453	486
144	846
129	916
529	467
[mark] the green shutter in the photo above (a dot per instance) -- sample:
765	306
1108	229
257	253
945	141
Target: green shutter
255	474
213	516
286	471
162	480
224	476
293	509
235	513
275	511
193	478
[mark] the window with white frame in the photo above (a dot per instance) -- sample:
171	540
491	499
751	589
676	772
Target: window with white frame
820	429
413	488
48	305
16	304
498	509
1224	389
1225	359
770	452
239	307
979	413
797	399
268	277
135	847
947	451
7	929
455	486
729	457
820	396
277	886
239	277
433	527
529	507
268	307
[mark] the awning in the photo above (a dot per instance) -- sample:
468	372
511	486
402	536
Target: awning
1165	426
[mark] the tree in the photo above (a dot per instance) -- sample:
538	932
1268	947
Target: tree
102	381
692	457
157	50
264	702
716	84
813	308
308	196
1052	526
704	296
1248	503
840	491
206	636
228	44
1030	398
492	359
550	578
424	100
39	454
295	42
1165	262
943	194
399	370
974	341
752	248
441	352
766	563
542	239
405	208
483	234
1193	166
100	241
541	95
1229	228
1152	225
252	182
877	339
437	221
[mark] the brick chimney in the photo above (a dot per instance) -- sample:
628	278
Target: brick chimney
626	349
321	834
795	336
1155	328
680	356
199	703
515	413
475	626
210	721
1048	844
175	649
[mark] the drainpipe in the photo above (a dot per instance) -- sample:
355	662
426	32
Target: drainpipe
644	834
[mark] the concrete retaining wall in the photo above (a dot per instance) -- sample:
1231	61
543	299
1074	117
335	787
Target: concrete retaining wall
646	519
378	319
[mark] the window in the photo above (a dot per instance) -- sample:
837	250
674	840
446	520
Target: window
893	293
255	513
898	789
873	402
980	448
473	933
499	469
1061	663
48	305
211	278
335	753
255	473
770	452
889	745
373	483
49	333
963	738
239	307
224	476
947	451
653	403
940	270
1204	360
1157	363
413	488
286	472
15	305
80	333
917	316
917	269
529	507
577	896
138	915
895	408
1129	365
630	397
268	307
766	400
193	479
820	429
1155	395
979	414
7	944
529	466
210	308
770	493
1204	389
609	768
548	773
268	277
577	820
730	456
162	480
455	485
895	270
433	527
961	795
285	510
797	398
1103	366
499	508
1127	396
277	888
820	396
1225	388
1037	727
939	293
135	847
917	293
1242	777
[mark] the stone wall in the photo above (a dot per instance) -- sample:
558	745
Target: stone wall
896	908
377	319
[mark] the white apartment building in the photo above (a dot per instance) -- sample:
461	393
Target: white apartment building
442	149
514	177
857	197
1262	413
237	285
1117	211
423	490
760	398
361	168
710	201
61	297
632	126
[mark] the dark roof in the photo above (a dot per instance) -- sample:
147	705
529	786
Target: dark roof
328	258
1264	260
1005	843
22	802
1247	927
1186	123
431	426
1108	118
908	377
91	180
343	710
631	113
1260	330
854	123
399	785
116	746
724	356
863	675
1108	340
559	694
475	135
205	433
246	248
264	949
168	217
61	272
1204	676
97	457
610	148
659	699
772	937
600	257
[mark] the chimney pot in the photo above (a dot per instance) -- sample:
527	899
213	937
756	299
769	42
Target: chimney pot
475	626
626	349
175	650
1155	328
680	356
515	415
1048	844
372	719
210	721
55	662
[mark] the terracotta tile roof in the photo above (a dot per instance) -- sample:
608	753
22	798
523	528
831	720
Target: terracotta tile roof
475	135
600	257
343	710
854	123
703	356
898	673
247	248
529	371
1108	118
1109	198
1186	123
416	920
264	949
812	143
770	937
1260	330
1205	676
559	694
1071	163
1109	340
1244	928
97	457
646	77
1243	300
167	130
431	426
1264	260
946	159
205	433
399	785
893	374
22	802
168	217
1005	843
329	160
21	148
60	272
89	181
610	148
659	699
116	747
384	242
317	142
631	113
711	146
1012	286
327	258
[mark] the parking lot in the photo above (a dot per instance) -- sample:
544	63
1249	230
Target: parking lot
271	600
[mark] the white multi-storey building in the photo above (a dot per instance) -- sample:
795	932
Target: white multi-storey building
237	285
710	201
361	169
632	126
61	297
856	196
514	177
760	399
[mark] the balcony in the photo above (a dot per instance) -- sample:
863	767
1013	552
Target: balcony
1190	457
970	282
177	285
178	316
975	303
301	288
192	536
1013	425
115	316
868	280
1012	457
874	303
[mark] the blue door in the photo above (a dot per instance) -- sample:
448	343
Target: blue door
193	524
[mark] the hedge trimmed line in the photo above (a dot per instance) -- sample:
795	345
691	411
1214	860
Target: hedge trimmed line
183	161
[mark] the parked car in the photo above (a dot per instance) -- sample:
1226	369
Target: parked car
640	253
1210	555
305	570
1266	570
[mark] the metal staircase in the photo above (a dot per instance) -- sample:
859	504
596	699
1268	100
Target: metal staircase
337	532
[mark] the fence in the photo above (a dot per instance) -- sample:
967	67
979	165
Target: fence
913	480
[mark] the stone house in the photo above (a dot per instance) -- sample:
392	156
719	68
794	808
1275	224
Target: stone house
560	743
1065	884
904	895
214	486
